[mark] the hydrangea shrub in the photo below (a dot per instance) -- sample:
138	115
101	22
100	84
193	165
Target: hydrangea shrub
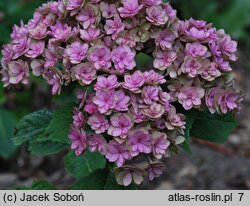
130	115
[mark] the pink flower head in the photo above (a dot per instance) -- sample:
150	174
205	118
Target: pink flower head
153	78
156	15
19	32
101	57
150	94
139	142
7	53
164	59
191	67
74	4
88	16
123	58
79	140
160	144
228	47
154	170
78	118
51	59
133	82
61	31
35	49
228	100
120	125
152	2
114	27
20	47
90	107
98	123
105	101
108	10
18	72
190	97
77	52
90	34
106	83
117	153
210	71
5	77
97	143
56	81
196	49
122	101
165	39
130	8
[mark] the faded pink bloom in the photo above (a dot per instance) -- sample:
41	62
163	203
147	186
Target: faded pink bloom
74	4
154	110
39	31
117	153
120	125
228	47
130	8
139	142
79	140
211	99
35	49
190	97
160	144
123	58
164	59
154	170
114	27
97	143
77	52
20	47
90	34
175	120
90	107
37	66
98	123
78	118
18	72
85	73
51	59
210	71
127	174
56	81
5	77
156	15
133	82
106	83
152	2
108	10
101	57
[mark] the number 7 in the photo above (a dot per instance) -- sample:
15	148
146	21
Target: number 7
241	195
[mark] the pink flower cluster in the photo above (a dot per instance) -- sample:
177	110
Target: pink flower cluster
125	112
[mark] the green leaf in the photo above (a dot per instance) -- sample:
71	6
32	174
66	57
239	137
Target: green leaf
99	180
45	148
39	185
31	126
82	166
190	117
7	125
59	126
213	127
